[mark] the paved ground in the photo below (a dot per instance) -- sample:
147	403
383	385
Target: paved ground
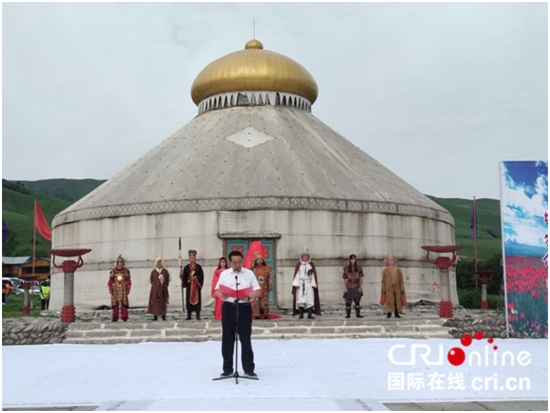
338	374
521	406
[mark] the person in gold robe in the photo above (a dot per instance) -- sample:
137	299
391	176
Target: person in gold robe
393	288
263	273
158	297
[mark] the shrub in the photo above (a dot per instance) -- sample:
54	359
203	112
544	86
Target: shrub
472	299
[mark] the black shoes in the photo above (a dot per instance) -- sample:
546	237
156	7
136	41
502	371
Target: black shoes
226	374
358	311
164	318
389	315
251	374
114	320
124	319
397	313
155	318
309	313
348	311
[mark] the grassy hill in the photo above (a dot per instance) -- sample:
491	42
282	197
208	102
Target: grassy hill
68	189
489	240
17	211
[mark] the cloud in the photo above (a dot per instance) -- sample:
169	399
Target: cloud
524	207
93	86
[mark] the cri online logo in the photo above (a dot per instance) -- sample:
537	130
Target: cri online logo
456	355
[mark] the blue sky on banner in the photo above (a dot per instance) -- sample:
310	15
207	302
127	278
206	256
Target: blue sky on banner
525	198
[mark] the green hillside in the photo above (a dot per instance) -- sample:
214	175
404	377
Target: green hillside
489	240
18	213
67	189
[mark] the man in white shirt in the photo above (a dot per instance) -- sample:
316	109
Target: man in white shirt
246	279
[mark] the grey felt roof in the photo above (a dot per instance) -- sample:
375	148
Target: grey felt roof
251	152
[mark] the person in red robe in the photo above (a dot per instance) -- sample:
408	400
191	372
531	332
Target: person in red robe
119	287
222	266
192	278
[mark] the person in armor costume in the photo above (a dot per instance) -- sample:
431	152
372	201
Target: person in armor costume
158	297
305	288
353	286
192	278
119	287
263	272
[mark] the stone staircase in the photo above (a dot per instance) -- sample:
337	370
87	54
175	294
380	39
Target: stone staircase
277	329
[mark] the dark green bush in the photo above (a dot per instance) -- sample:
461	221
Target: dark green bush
465	277
472	299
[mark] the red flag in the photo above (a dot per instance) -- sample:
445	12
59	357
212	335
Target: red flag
40	222
255	246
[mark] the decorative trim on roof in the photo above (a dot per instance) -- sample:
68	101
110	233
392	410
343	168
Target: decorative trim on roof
254	98
252	203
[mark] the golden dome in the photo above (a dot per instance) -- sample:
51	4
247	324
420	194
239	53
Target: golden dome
254	69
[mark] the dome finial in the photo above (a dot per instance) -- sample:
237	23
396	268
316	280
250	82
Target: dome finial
254	69
254	44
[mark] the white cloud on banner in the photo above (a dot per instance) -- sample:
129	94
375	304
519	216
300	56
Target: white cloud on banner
523	215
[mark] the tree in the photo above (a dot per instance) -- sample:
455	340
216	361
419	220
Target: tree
465	277
9	248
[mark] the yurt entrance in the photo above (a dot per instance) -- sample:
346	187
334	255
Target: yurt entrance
268	244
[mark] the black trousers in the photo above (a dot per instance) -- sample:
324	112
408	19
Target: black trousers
229	313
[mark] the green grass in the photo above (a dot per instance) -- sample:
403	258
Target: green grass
15	307
18	213
68	189
18	210
489	240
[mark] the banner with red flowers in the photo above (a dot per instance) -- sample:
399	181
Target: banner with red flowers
524	215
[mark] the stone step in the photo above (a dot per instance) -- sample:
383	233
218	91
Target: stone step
255	330
257	323
175	336
277	329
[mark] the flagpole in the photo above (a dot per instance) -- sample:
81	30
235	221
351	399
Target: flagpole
33	255
475	239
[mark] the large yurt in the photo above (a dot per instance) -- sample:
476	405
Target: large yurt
254	164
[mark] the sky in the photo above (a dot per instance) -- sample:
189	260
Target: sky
437	93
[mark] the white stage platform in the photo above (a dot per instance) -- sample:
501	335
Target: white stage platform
294	375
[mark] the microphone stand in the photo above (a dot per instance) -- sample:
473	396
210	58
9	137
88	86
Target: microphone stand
236	304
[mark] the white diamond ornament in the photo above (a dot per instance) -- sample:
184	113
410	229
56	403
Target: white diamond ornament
249	137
